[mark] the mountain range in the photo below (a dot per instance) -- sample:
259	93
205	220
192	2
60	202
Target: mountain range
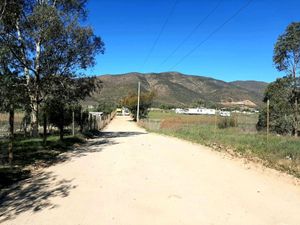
176	89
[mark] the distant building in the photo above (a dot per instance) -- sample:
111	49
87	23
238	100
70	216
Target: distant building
179	111
196	111
122	111
225	113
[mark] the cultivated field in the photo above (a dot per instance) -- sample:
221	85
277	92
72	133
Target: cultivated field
278	152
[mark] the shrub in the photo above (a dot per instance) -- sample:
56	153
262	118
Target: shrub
226	122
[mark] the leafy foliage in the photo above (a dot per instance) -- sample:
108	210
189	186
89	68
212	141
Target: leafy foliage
280	94
287	49
106	107
64	98
48	42
146	100
287	58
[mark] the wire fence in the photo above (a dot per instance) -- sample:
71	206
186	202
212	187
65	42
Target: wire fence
94	121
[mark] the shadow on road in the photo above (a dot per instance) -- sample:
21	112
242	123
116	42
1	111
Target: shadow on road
120	134
33	194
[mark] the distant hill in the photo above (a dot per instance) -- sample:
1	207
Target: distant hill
178	89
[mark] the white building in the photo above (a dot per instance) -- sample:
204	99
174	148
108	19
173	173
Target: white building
180	111
225	113
196	111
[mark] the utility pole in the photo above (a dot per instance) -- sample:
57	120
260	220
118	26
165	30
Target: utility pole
268	119
138	103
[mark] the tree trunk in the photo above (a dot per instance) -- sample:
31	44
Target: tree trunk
11	134
61	126
73	123
296	101
296	116
34	120
81	122
36	93
61	133
45	127
32	93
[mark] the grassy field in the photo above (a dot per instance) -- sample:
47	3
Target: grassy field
278	152
30	154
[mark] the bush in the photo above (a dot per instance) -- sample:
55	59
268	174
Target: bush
226	122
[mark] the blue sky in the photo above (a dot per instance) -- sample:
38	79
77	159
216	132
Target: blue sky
241	50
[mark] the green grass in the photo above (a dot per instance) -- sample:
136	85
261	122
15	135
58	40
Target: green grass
282	153
32	152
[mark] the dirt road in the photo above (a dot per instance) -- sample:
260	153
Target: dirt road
130	177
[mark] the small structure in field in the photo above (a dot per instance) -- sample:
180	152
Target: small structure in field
180	111
225	113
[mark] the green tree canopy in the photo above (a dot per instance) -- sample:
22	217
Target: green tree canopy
48	38
66	92
287	58
131	101
280	94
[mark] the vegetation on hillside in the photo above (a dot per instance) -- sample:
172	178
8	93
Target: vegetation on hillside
178	90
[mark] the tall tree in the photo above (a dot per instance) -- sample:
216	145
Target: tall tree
12	92
47	38
280	94
287	58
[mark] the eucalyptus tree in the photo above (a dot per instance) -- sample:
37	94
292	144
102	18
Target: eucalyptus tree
12	91
287	58
280	94
47	38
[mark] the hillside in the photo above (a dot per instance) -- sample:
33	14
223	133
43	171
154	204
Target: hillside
178	89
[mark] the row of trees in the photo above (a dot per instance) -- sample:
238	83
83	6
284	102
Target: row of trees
43	45
284	94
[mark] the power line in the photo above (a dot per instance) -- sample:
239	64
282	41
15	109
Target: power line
161	31
192	32
212	33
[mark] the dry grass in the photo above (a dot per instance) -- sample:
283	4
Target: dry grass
278	152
